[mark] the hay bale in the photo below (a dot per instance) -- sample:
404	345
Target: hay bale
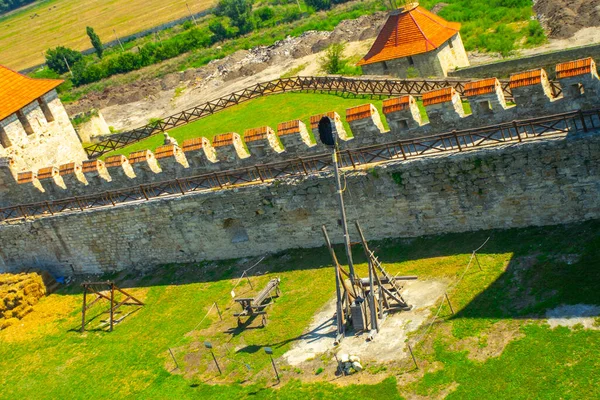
19	293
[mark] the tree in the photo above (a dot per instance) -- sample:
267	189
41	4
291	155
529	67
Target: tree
55	59
239	12
319	4
96	42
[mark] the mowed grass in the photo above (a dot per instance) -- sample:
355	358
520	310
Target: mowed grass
26	34
269	111
46	357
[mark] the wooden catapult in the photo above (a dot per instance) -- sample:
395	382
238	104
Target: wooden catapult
365	302
252	306
108	293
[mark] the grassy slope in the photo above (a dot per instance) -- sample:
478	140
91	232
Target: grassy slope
270	111
63	23
46	358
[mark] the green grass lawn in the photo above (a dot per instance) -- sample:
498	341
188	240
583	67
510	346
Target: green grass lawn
525	272
268	110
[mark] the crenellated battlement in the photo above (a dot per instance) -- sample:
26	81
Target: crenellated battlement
262	145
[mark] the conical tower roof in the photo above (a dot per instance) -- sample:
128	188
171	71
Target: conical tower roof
409	31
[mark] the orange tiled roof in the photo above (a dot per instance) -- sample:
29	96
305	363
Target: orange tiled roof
360	112
115	161
483	86
254	134
527	78
438	96
140	156
223	139
92	165
409	32
16	90
192	144
315	119
165	151
70	168
575	68
288	128
396	104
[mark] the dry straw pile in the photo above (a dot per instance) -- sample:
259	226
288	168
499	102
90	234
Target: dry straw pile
18	294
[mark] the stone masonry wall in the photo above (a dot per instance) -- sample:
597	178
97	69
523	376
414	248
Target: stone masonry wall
198	156
51	139
532	183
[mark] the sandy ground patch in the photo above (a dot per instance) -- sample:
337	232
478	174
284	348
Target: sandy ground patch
571	315
389	343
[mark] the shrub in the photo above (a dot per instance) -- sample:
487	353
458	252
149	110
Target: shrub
55	59
264	13
334	62
535	33
239	12
319	4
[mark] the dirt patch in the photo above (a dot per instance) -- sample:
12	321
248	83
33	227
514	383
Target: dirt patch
155	97
389	344
490	343
571	315
563	18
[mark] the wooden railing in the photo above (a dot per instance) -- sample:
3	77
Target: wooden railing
356	86
455	141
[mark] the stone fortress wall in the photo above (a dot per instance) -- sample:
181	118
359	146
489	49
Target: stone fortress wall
40	134
531	92
539	182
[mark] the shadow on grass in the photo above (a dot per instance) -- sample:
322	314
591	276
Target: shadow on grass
549	266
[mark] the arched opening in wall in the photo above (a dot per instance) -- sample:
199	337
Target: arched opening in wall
403	124
4	139
25	122
385	67
46	110
236	231
411	62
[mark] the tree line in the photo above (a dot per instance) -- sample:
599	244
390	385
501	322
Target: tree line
231	19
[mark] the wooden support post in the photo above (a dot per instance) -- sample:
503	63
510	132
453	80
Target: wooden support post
219	311
477	259
83	308
413	356
450	304
112	302
173	356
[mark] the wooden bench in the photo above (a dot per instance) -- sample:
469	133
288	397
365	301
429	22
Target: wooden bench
252	306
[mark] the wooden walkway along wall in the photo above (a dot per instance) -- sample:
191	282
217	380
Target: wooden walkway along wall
455	141
329	84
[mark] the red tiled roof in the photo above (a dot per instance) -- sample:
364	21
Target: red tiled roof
16	90
409	32
575	68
